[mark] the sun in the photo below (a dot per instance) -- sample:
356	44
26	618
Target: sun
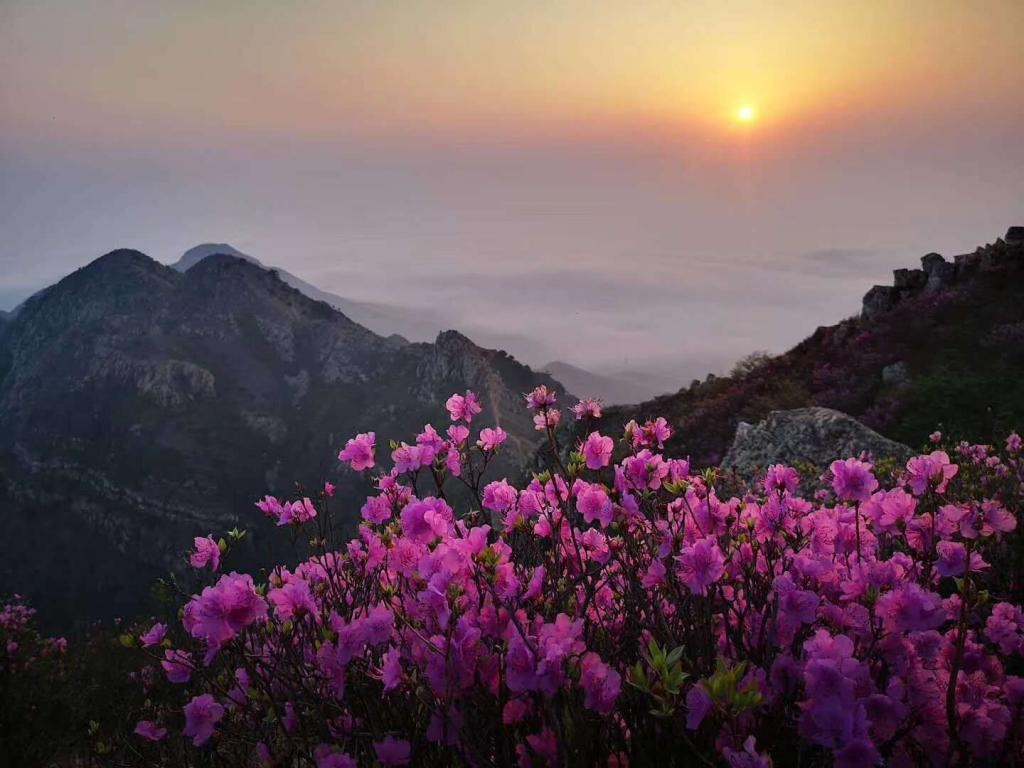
746	114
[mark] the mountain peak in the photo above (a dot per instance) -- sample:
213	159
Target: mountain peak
122	268
120	258
194	255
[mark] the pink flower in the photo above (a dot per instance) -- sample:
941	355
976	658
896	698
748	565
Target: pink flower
910	609
748	757
548	419
589	408
601	684
645	470
922	470
1013	442
391	670
297	512
655	575
594	504
795	606
698	705
206	552
201	715
515	711
326	757
376	509
150	730
982	520
653	433
431	444
700	565
458	433
952	558
490	439
393	751
270	507
178	665
223	610
540	398
463	407
1005	628
935	437
328	488
499	496
780	478
154	635
409	458
427	519
293	600
358	451
597	450
852	480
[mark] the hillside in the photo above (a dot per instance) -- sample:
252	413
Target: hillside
941	347
140	406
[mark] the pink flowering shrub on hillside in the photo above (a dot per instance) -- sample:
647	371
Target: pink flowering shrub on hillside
615	610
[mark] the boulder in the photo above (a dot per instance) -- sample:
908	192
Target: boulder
815	435
896	375
881	298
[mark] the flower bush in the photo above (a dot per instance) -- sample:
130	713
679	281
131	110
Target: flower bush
614	610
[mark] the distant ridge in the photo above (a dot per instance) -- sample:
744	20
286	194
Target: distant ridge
401	323
612	390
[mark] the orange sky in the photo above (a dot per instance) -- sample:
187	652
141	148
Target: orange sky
672	68
576	158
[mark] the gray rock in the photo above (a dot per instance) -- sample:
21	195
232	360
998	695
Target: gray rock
881	298
897	374
815	435
941	276
909	278
930	261
966	263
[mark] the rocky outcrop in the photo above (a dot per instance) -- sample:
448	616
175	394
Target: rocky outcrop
896	374
937	274
814	435
881	298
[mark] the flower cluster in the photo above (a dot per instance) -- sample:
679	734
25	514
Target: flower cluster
21	645
615	608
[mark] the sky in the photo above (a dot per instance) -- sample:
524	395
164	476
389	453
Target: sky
569	180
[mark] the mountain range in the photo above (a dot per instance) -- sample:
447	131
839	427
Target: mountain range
141	405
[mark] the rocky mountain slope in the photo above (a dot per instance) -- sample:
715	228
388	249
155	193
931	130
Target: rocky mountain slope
943	347
141	405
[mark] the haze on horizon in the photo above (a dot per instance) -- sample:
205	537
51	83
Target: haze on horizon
565	180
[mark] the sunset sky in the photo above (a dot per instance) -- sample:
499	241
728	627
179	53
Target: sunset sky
571	180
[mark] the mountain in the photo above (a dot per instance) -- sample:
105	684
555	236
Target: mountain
942	347
384	319
141	405
612	389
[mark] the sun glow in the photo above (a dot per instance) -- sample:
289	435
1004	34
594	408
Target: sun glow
746	114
